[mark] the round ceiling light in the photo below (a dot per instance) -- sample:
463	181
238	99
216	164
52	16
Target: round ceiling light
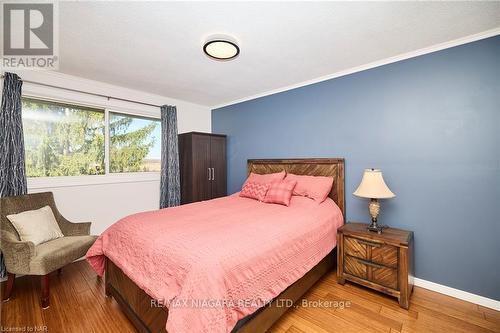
221	49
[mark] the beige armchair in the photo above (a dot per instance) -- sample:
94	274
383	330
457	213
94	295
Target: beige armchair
26	258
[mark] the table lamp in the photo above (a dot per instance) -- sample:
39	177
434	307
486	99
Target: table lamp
373	187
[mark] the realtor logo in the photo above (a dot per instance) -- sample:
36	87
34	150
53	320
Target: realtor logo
29	36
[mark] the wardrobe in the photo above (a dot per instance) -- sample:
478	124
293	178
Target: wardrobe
202	161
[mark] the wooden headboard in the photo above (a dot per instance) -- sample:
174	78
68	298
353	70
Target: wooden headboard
332	167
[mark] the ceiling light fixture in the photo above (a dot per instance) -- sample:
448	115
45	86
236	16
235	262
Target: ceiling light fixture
221	48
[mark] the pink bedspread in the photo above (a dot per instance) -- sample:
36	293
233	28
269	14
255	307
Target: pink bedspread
214	262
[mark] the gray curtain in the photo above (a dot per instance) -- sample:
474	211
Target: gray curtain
170	187
12	169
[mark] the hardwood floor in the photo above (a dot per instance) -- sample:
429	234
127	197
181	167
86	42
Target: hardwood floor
78	305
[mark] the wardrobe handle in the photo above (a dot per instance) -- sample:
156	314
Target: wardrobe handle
213	174
209	175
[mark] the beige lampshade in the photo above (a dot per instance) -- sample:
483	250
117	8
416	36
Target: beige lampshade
373	186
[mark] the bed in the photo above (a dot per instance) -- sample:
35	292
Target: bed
213	256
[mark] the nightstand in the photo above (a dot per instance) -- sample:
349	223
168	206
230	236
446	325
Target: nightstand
383	262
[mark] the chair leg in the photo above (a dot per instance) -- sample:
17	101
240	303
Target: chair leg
9	286
45	291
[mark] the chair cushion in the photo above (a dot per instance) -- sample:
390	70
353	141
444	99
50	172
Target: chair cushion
37	226
59	252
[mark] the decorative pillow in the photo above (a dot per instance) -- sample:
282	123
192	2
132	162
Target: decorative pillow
266	178
280	192
254	190
37	226
314	187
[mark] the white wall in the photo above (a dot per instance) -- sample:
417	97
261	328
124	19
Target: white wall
104	204
104	199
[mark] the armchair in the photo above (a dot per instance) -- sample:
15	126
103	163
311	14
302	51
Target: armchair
26	258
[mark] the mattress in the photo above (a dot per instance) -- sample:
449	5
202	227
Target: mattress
215	262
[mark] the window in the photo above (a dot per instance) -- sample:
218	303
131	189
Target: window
68	140
134	143
62	140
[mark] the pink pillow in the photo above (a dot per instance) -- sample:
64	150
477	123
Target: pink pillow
280	192
266	178
254	191
314	187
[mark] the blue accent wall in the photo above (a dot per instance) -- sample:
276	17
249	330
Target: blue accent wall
431	123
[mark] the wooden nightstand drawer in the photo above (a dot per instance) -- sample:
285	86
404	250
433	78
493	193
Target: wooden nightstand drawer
355	247
385	276
379	253
386	255
355	267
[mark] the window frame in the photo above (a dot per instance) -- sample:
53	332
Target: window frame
108	177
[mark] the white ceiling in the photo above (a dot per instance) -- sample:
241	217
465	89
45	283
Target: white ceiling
157	46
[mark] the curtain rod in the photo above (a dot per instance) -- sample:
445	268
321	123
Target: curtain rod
89	93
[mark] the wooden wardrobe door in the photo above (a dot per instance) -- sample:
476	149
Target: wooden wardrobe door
201	185
218	163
